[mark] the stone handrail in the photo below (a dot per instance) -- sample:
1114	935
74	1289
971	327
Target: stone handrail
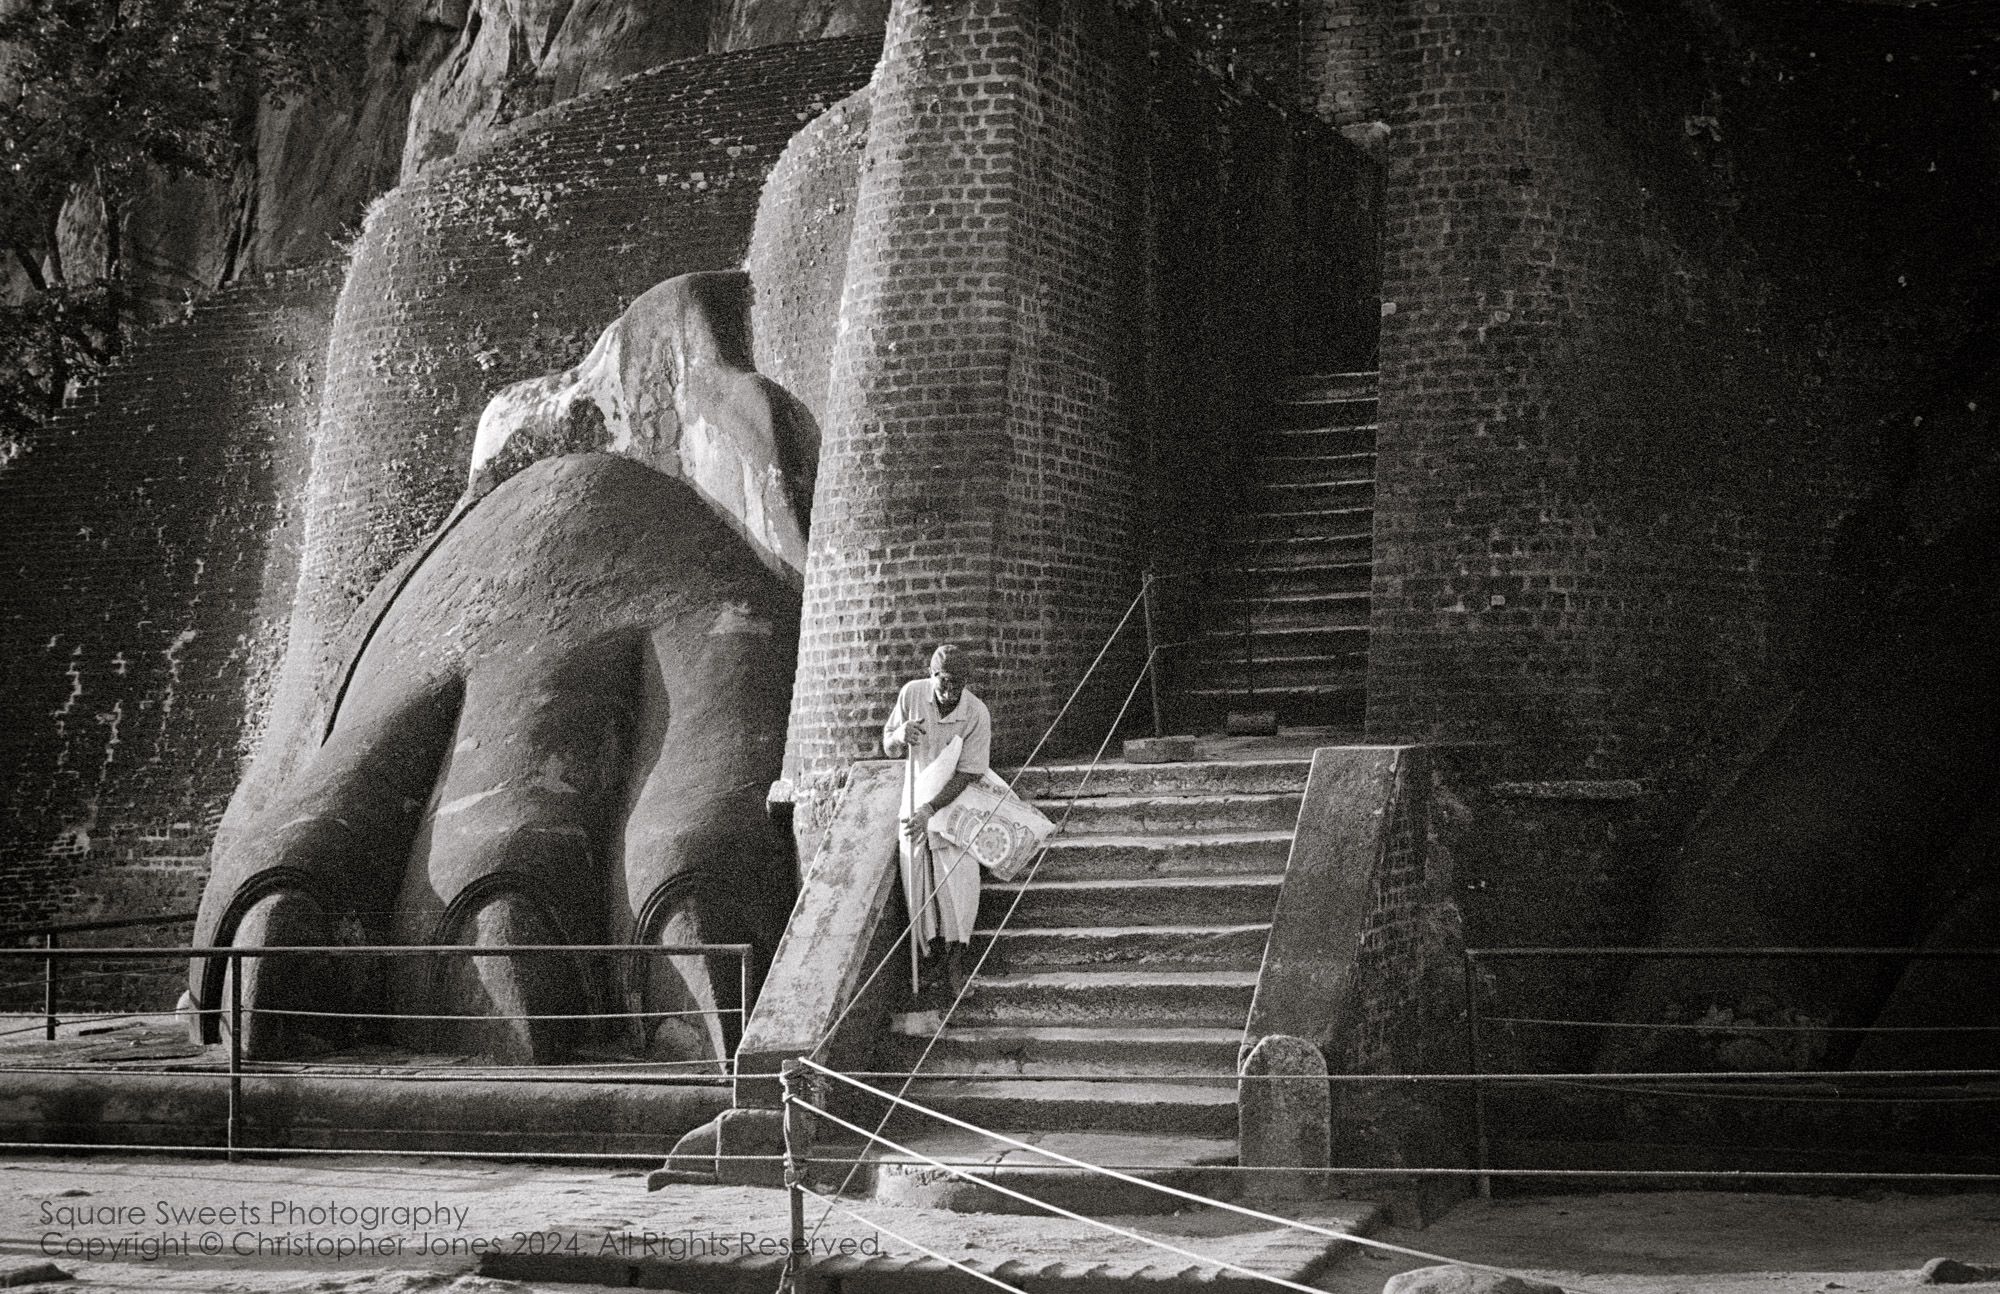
825	953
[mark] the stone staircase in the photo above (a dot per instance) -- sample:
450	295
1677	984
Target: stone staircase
1295	596
1133	953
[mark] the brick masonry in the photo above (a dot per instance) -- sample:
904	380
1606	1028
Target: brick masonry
1039	328
1653	284
151	544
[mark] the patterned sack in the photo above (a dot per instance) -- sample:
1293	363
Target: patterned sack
997	827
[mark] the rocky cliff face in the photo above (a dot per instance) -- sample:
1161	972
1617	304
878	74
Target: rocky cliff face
443	79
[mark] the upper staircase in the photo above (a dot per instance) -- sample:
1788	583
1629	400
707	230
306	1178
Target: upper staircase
1287	622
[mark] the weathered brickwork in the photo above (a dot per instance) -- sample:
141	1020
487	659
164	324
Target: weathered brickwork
1070	249
507	267
1651	281
151	544
798	250
1592	498
1345	47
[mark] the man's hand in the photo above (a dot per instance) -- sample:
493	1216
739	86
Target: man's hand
919	823
910	731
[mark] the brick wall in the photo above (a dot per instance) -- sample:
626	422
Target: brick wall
1345	44
151	542
1072	260
1651	281
798	250
506	267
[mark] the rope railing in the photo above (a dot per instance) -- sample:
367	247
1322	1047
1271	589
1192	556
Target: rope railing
238	1067
51	935
1476	1020
937	887
1027	880
795	1162
981	1173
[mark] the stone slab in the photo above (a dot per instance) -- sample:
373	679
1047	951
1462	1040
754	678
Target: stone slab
823	956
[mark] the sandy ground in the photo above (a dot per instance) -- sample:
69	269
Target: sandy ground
80	1214
1716	1242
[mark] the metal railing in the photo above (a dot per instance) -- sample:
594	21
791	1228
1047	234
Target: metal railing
1475	1021
238	1067
51	935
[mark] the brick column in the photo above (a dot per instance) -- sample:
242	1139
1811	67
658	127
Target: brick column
977	475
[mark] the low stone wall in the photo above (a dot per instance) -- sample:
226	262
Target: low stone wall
1364	956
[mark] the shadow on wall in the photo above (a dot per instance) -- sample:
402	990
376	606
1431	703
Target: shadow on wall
1872	817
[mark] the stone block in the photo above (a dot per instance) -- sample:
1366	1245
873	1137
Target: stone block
1159	750
1283	1118
1450	1278
824	953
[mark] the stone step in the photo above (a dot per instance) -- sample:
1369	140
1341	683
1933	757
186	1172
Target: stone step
1296	706
1056	1104
1303	578
1000	1050
1223	777
1286	497
1282	551
1135	856
1127	947
1165	901
1273	642
1266	528
1196	1164
1316	442
1215	671
1282	468
1279	611
1320	386
1337	411
1183	999
1138	815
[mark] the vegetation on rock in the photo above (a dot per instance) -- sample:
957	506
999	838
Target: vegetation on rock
100	99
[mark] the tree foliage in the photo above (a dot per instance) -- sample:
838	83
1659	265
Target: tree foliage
115	95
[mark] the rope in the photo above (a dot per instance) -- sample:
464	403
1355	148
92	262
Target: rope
905	1240
1783	1096
393	1015
1161	1187
470	1075
1062	1212
1034	868
1026	764
1699	1075
72	1147
1752	1028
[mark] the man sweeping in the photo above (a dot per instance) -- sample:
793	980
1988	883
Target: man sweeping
948	737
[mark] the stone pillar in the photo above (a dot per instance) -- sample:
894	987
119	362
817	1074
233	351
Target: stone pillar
1283	1118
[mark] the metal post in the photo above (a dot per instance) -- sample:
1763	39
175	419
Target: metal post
743	996
235	1051
1152	652
49	985
796	1140
1481	1154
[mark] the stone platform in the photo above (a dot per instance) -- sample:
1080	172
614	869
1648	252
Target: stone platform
140	1082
